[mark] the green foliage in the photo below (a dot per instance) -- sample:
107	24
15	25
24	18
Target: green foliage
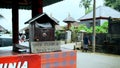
80	27
89	30
105	25
113	3
89	10
86	4
57	32
99	29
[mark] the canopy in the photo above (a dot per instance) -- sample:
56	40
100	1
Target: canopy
25	4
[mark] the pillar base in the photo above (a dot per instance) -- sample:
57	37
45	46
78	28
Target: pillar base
19	48
15	49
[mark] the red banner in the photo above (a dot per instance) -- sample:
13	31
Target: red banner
22	61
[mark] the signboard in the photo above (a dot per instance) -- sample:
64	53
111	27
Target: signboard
45	46
22	61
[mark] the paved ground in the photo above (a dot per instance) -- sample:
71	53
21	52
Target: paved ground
95	60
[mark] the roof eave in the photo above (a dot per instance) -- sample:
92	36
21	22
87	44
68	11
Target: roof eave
38	16
92	18
34	18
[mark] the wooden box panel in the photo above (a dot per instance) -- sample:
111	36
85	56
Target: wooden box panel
42	34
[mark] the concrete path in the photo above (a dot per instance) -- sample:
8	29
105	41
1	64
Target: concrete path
97	60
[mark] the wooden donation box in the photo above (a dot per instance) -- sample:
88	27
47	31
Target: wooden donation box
41	34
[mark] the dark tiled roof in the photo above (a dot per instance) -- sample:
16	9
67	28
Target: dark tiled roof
76	24
42	18
69	19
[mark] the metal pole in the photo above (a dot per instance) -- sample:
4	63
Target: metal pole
94	24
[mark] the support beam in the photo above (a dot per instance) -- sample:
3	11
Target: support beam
15	23
37	7
68	25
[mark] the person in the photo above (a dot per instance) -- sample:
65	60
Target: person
23	38
86	42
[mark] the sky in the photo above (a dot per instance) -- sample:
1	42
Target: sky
58	10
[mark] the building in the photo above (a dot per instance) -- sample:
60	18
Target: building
42	27
102	15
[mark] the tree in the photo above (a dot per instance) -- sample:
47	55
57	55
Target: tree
86	4
113	3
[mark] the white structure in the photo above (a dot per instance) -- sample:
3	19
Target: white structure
68	36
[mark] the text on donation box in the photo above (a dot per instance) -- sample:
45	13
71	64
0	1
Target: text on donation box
46	46
20	61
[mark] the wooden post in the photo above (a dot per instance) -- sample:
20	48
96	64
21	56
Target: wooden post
37	7
109	24
15	24
68	25
94	24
